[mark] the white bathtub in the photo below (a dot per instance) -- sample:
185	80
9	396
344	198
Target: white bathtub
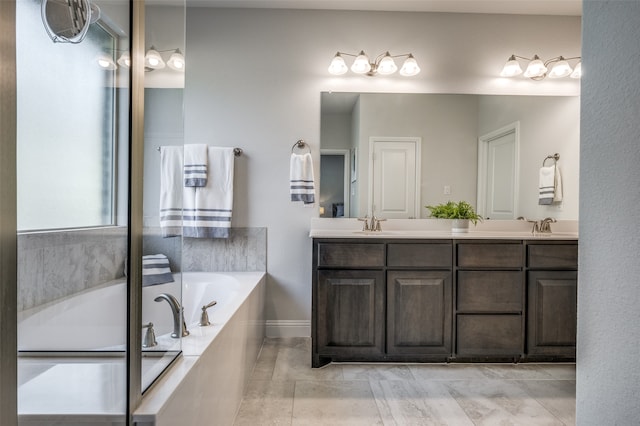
88	322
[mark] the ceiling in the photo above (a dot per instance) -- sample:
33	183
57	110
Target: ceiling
518	7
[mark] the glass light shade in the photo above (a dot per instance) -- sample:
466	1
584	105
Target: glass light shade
577	71
338	66
387	66
153	59
410	67
535	68
361	65
125	60
560	69
106	62
176	61
511	68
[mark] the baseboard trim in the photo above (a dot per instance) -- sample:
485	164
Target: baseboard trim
288	328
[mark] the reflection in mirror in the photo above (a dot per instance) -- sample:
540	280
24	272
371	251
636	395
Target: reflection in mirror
68	20
453	131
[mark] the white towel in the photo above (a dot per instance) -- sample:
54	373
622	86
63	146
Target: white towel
550	185
207	209
171	188
301	178
195	165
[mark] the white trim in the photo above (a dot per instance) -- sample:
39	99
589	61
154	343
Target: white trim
418	144
483	152
288	328
347	174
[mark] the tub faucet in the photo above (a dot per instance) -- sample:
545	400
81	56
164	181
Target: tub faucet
179	325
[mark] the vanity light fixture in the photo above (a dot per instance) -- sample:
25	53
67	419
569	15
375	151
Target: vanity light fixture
557	67
153	60
106	62
383	64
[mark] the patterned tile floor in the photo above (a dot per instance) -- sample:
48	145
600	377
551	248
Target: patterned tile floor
285	390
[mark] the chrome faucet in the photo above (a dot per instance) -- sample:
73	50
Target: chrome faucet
372	225
179	325
545	225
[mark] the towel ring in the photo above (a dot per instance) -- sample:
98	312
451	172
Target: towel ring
555	157
300	144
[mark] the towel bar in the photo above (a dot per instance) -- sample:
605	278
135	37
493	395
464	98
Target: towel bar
236	151
555	157
300	144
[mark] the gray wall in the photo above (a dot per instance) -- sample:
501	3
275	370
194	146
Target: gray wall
608	380
254	79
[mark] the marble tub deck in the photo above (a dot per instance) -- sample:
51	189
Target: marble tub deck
285	390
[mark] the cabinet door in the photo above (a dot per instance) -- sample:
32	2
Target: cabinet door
419	312
551	317
350	314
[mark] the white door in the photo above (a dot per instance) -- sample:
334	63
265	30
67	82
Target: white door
394	189
499	151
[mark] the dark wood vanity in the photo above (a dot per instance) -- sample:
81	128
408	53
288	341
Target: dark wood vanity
443	300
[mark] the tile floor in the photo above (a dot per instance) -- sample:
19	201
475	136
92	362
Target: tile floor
285	390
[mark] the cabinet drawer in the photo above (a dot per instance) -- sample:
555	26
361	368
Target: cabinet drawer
544	256
431	255
499	255
490	291
489	334
350	255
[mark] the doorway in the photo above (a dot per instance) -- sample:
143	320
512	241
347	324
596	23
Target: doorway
498	172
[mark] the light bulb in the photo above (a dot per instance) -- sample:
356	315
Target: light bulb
410	67
511	68
577	71
125	60
536	68
560	69
361	65
176	61
153	59
386	65
338	66
106	62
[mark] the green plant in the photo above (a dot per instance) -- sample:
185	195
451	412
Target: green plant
453	210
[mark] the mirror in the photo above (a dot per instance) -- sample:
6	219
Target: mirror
451	129
67	21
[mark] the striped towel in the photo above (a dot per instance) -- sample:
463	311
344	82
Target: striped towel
171	189
207	210
301	178
195	165
155	270
549	185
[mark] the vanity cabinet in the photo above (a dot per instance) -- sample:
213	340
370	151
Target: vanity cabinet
552	280
490	300
419	294
428	300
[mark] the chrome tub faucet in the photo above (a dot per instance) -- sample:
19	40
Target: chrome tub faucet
179	325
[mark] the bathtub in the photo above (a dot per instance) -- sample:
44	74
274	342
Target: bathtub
93	350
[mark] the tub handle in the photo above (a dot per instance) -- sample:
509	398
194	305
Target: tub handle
149	340
204	318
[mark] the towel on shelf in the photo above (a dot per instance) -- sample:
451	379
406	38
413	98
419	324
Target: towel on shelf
301	178
550	185
171	188
156	270
207	209
195	165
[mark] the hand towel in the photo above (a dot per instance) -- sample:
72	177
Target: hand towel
550	185
208	209
156	270
301	178
195	165
171	188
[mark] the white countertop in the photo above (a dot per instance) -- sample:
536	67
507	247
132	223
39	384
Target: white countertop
440	229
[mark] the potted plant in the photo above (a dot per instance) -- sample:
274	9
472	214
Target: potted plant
461	212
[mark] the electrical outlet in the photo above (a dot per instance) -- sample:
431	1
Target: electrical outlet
447	190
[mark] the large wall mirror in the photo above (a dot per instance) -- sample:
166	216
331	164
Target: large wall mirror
393	154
